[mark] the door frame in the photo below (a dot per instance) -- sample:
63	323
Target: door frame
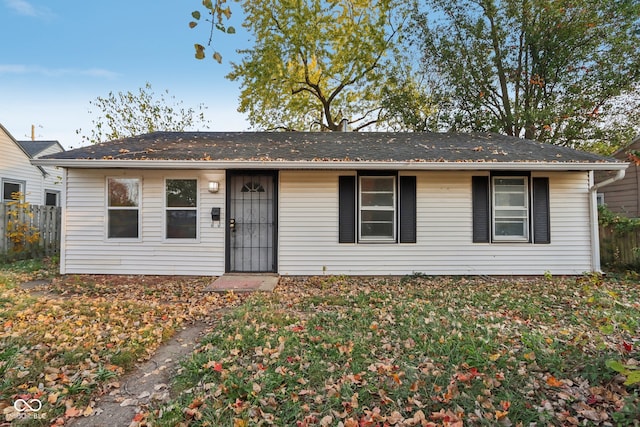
230	174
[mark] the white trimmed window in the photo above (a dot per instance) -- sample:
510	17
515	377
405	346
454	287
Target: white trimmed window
181	208
510	208
51	198
9	187
377	205
123	208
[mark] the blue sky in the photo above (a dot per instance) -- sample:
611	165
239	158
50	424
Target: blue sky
57	56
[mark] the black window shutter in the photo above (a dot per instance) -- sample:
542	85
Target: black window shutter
480	206
407	209
347	209
541	218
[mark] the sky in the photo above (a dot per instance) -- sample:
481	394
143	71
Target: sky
57	56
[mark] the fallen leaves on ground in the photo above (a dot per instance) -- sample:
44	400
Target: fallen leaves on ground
417	351
74	341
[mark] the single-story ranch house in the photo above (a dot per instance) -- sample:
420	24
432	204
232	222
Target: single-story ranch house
294	203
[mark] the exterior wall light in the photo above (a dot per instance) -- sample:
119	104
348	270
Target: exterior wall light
214	186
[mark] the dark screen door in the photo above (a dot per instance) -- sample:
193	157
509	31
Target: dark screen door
251	223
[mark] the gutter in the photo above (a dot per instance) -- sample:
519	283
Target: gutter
593	207
323	165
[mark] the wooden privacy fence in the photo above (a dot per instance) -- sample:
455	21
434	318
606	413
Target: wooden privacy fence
620	249
45	220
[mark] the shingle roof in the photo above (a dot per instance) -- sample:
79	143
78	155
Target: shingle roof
330	147
33	148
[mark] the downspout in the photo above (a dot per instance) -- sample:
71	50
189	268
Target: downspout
63	225
593	206
619	175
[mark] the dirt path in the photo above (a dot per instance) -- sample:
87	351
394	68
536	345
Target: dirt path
148	383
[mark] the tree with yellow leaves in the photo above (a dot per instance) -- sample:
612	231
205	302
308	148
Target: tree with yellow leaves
316	62
20	232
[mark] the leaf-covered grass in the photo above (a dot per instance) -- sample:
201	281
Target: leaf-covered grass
417	351
66	342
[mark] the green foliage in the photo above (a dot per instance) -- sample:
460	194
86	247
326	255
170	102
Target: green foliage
617	250
124	358
619	223
407	104
121	115
316	62
631	372
629	414
564	72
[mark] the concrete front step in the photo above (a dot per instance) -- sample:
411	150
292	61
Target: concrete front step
237	282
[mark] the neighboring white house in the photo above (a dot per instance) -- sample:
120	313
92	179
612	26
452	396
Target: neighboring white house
329	203
41	185
53	176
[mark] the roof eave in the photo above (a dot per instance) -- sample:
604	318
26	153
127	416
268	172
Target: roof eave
319	165
15	141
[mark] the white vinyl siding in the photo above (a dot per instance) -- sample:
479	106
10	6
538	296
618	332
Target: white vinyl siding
308	230
307	235
15	166
87	251
53	177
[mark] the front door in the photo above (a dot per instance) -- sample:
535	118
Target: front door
251	224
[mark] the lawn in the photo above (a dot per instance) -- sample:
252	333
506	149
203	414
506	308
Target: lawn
419	351
65	348
330	351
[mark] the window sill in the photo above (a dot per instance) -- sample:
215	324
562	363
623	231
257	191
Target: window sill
510	240
181	241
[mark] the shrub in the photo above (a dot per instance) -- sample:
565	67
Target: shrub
21	234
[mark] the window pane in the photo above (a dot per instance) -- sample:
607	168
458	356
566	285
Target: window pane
123	223
51	199
385	216
181	224
377	184
377	230
510	188
9	189
511	227
377	199
124	191
517	213
515	182
182	193
510	199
